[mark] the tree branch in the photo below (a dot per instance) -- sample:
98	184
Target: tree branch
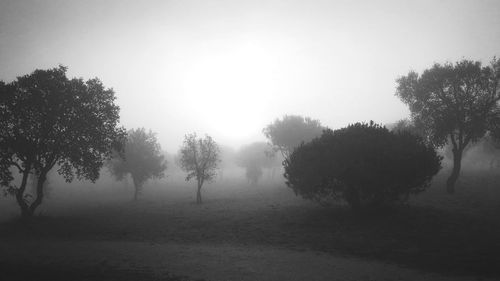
21	170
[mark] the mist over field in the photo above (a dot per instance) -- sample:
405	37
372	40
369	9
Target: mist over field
249	140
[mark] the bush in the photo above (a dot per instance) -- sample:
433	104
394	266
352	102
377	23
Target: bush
363	164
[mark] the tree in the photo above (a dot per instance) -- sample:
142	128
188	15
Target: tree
456	103
46	120
485	152
406	125
227	156
199	158
363	164
288	133
142	159
254	157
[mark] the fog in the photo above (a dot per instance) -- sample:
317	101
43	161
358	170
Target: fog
228	68
245	147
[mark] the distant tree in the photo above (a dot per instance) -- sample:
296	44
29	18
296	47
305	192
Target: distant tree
199	158
363	164
493	135
407	125
456	103
46	120
484	152
289	132
490	147
273	161
227	157
142	159
254	157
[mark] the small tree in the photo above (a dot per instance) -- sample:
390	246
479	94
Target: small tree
142	159
199	158
46	120
363	164
453	103
288	133
254	157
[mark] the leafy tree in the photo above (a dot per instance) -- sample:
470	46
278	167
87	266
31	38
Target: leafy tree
289	132
199	158
254	157
142	159
46	120
363	164
456	103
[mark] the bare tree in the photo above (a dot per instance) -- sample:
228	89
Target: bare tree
200	159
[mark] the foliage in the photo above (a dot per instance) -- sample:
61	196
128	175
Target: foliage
363	164
455	103
46	120
289	132
407	125
254	157
200	159
142	159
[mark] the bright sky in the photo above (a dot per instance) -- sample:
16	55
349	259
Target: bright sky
228	68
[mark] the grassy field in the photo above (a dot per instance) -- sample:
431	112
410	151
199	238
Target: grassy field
453	236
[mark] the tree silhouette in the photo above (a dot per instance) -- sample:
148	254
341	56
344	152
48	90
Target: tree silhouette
363	164
46	120
289	132
254	157
199	158
456	103
142	159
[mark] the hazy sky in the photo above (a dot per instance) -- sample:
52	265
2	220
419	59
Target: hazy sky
228	68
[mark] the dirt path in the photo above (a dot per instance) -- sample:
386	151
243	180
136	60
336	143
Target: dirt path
210	262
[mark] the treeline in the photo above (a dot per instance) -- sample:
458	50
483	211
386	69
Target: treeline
48	121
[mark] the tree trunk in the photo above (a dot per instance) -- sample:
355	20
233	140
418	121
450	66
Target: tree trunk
20	196
39	193
136	192
457	163
198	192
137	188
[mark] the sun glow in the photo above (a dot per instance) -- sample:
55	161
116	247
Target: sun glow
228	90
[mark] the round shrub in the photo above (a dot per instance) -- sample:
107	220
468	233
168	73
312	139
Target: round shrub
363	164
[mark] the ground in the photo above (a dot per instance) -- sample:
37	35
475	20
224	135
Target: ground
244	232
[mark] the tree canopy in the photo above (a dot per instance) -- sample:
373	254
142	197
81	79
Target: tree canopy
142	159
289	132
456	103
46	120
199	157
363	164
